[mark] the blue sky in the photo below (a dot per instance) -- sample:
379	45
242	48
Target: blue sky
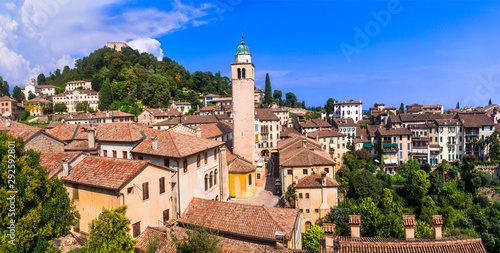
428	52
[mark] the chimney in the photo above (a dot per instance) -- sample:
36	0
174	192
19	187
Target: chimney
437	221
355	222
224	174
409	224
154	143
198	132
323	208
91	139
65	167
279	236
304	143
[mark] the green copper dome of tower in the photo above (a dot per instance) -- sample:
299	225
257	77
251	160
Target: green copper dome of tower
242	48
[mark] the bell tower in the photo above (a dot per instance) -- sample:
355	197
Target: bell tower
242	79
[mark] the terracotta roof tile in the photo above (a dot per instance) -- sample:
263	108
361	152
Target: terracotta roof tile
53	161
473	120
325	133
409	220
174	144
321	123
265	114
164	112
79	145
7	125
151	233
305	157
343	122
456	244
355	220
314	181
241	166
214	130
240	219
105	172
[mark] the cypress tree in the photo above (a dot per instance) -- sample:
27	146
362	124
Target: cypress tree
268	95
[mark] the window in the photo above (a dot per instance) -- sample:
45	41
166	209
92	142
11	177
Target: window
243	73
130	190
185	165
141	157
206	182
215	177
198	160
301	210
258	175
316	210
250	179
166	215
307	195
239	73
435	139
162	185
290	172
327	170
300	195
136	229
114	154
206	157
145	191
76	196
304	171
105	153
307	210
440	139
211	179
215	153
124	154
166	162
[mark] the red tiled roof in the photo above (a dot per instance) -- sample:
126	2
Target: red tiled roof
348	101
112	132
79	145
394	131
265	114
38	100
325	133
297	141
163	112
25	134
305	157
321	123
473	120
105	172
53	161
7	125
150	234
314	181
241	166
456	244
240	219
174	144
409	220
289	132
343	122
214	130
198	119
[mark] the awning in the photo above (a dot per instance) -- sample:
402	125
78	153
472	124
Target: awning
391	145
391	161
367	145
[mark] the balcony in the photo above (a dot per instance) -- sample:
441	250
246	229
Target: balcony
471	132
451	143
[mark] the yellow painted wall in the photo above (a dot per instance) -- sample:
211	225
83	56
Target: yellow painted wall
239	187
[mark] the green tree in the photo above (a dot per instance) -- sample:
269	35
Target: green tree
416	186
310	239
458	105
82	106
268	92
199	239
401	109
109	232
66	70
427	209
489	102
277	95
23	115
43	210
4	87
364	184
105	95
423	230
18	94
31	96
291	195
60	108
40	79
436	182
329	106
291	99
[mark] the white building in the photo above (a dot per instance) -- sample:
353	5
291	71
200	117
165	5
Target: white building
75	84
71	98
348	109
37	90
182	107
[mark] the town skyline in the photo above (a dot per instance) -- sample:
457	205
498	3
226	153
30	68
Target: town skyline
419	52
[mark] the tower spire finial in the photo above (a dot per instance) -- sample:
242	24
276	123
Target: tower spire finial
242	36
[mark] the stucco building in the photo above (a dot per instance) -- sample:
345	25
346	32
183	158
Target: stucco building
36	106
9	107
73	97
74	85
348	109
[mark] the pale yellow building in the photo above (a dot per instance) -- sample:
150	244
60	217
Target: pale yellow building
101	182
333	142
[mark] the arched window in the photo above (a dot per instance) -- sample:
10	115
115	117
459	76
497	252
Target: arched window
185	165
206	157
250	179
206	182
308	225
215	177
217	197
211	179
239	73
243	74
215	151
198	160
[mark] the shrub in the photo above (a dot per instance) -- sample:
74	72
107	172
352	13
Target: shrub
495	182
496	205
485	178
310	239
23	115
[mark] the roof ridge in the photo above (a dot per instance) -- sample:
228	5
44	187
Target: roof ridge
276	223
174	144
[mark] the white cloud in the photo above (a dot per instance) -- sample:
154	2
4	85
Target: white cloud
40	36
147	45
